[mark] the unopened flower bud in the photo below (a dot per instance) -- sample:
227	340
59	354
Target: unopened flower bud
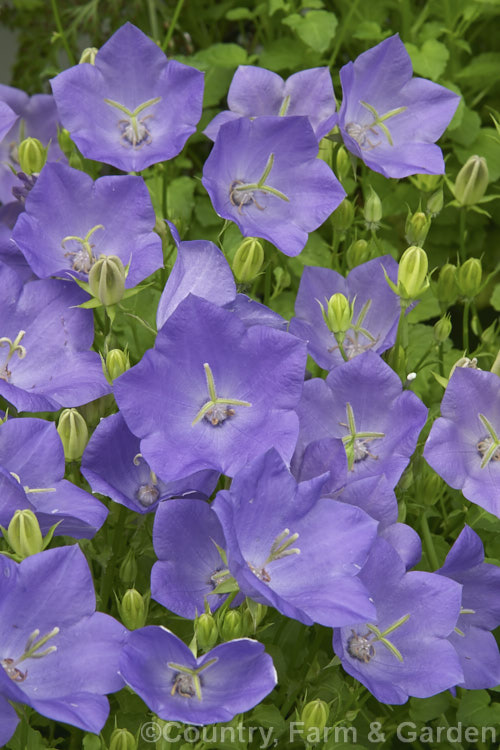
469	276
435	203
472	181
357	253
232	625
206	631
122	739
24	535
326	151
65	143
338	316
343	164
107	280
426	182
442	329
128	568
73	432
372	210
489	336
117	361
133	610
417	228
253	616
32	155
88	55
343	216
447	285
315	717
248	260
412	273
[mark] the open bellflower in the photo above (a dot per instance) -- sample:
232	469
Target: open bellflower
45	362
255	92
289	548
57	654
70	221
8	119
213	394
390	120
480	612
264	175
133	107
405	650
463	446
228	680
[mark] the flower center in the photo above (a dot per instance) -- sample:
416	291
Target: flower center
243	194
31	651
15	347
133	129
216	410
367	136
83	256
186	681
149	492
489	446
361	647
280	548
355	442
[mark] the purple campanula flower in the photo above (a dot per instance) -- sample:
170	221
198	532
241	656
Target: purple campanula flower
480	612
256	91
113	465
133	108
264	175
405	650
177	686
37	118
362	403
45	362
288	547
376	310
8	119
212	394
32	454
70	221
10	255
389	119
58	655
463	446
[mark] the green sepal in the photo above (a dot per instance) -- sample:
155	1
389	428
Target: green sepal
225	587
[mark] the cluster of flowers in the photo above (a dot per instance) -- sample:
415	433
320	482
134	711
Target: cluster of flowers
309	522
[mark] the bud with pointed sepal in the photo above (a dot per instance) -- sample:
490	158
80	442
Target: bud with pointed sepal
73	432
248	260
32	155
469	277
472	181
107	280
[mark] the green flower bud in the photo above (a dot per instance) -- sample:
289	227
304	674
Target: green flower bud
248	260
338	316
88	55
489	336
253	616
447	285
426	182
412	273
24	535
232	625
128	568
117	361
472	181
206	631
65	143
315	716
32	155
442	329
417	228
73	432
357	253
343	164
107	280
133	610
435	203
326	151
372	210
469	276
122	739
343	216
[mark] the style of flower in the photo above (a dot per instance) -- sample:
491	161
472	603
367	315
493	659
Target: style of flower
390	120
256	91
178	686
264	175
463	446
133	107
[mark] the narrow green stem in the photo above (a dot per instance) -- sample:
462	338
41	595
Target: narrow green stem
429	544
339	38
463	235
465	327
118	541
173	23
153	21
342	351
57	19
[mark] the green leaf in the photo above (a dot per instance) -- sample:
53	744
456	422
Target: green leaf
370	31
316	28
483	67
468	130
495	297
268	716
426	709
430	60
221	55
180	199
427	308
276	5
484	145
239	14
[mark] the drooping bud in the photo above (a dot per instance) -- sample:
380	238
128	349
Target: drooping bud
435	203
117	361
206	631
472	181
32	155
338	316
469	276
442	329
315	717
343	164
133	609
122	739
372	210
232	625
343	216
107	280
412	273
73	432
416	228
357	253
128	568
248	260
24	535
88	55
447	285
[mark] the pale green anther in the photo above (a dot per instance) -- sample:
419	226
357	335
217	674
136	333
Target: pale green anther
33	646
467	611
261	184
495	441
214	399
284	106
378	120
381	636
193	673
459	632
84	241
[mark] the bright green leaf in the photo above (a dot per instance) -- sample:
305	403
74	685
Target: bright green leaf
316	28
430	60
